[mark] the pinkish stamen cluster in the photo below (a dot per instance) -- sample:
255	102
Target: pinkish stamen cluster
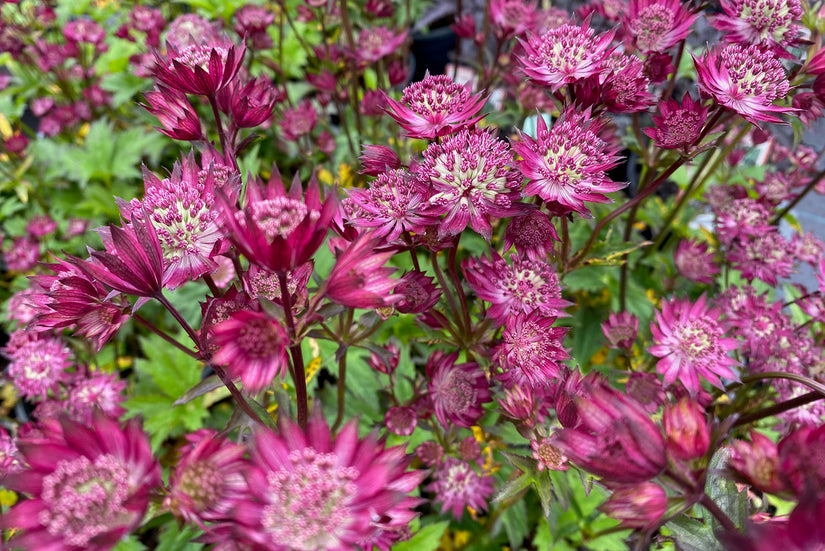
457	485
457	390
391	205
532	350
657	25
771	23
678	127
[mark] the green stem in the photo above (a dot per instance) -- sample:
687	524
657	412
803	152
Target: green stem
183	323
452	269
811	185
237	395
221	132
801	379
718	513
793	403
342	391
165	336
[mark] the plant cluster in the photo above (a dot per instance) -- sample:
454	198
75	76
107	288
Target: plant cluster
547	305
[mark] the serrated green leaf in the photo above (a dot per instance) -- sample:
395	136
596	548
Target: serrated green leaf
692	535
426	539
123	86
515	524
174	539
513	488
724	492
586	278
129	543
172	370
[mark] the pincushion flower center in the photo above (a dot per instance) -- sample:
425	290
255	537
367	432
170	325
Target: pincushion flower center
279	217
85	499
202	483
309	506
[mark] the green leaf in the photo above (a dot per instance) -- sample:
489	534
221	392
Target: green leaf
513	488
174	539
515	524
163	377
129	543
123	86
724	492
692	535
586	278
426	539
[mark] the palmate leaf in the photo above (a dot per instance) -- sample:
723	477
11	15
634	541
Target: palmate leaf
163	377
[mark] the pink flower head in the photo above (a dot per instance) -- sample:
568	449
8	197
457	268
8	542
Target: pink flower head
624	85
686	429
277	230
84	30
768	257
658	25
769	23
89	485
637	506
41	225
419	291
38	366
178	119
741	218
621	329
22	255
250	102
434	107
522	286
800	464
392	204
757	463
299	121
745	79
200	69
457	390
564	55
532	234
511	18
695	262
377	159
72	298
401	420
190	29
253	346
689	340
359	278
252	21
527	405
309	490
548	456
457	485
208	479
615	440
376	43
566	165
132	262
647	389
182	210
97	390
471	181
261	283
678	126
9	457
532	350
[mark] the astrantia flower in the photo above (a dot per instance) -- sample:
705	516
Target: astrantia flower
22	254
253	346
261	283
678	127
511	18
626	84
621	329
249	101
208	479
376	43
201	69
419	291
90	391
524	286
658	25
277	230
532	350
690	342
532	234
566	165
615	440
391	205
37	367
564	54
457	390
745	79
401	420
767	257
359	278
176	115
9	457
435	106
471	180
182	210
310	491
741	218
695	262
72	298
89	485
638	506
686	429
771	23
525	404
757	463
377	159
457	485
548	456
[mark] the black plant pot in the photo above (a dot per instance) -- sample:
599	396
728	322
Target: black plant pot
431	51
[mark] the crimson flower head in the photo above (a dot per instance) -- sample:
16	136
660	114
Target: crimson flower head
621	330
277	230
200	69
457	484
770	23
377	159
71	297
253	346
177	118
434	107
745	79
523	286
132	262
566	165
532	234
686	428
310	490
89	485
695	262
250	103
615	438
471	180
376	43
658	25
637	506
678	126
419	291
359	278
457	390
757	463
690	341
532	350
564	54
